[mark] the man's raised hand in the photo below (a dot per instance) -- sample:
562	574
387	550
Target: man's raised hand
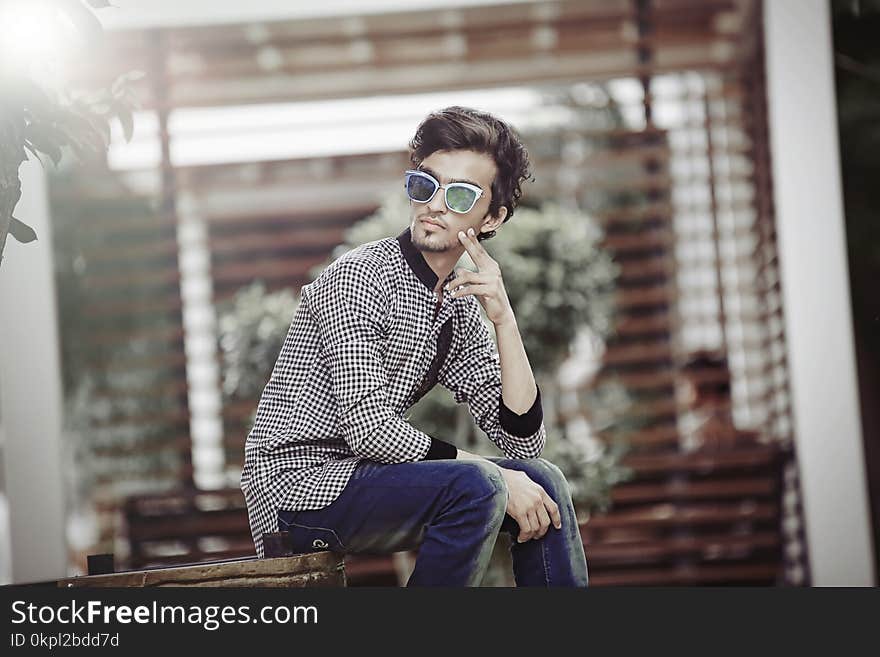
485	283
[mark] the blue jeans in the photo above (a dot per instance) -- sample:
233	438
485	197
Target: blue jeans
452	511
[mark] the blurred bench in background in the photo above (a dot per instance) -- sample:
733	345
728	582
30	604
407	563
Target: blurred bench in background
686	519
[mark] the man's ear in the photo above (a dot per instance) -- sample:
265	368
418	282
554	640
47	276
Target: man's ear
490	223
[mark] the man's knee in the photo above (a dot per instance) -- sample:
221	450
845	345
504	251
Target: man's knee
482	483
554	473
548	476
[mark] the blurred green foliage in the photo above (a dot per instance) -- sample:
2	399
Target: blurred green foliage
252	328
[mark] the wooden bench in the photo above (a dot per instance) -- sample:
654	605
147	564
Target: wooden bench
315	569
280	568
190	526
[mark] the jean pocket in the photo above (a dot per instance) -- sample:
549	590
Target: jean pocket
307	538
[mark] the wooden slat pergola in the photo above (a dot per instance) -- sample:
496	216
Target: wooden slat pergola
696	240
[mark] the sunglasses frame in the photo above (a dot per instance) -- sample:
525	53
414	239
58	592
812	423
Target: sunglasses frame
412	172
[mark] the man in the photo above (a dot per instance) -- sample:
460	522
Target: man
708	423
331	459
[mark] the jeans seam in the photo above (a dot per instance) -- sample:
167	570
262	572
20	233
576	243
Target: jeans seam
544	560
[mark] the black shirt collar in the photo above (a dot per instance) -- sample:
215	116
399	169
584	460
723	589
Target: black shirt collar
416	261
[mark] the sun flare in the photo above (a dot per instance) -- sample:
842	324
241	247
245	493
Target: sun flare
37	39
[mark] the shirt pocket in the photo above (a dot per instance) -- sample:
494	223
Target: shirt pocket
306	538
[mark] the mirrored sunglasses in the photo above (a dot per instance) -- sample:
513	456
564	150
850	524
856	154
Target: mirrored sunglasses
459	197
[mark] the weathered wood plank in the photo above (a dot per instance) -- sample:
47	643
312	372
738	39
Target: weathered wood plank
301	570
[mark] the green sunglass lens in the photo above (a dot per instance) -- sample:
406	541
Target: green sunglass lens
460	199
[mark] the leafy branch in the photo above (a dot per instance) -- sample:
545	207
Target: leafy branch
39	122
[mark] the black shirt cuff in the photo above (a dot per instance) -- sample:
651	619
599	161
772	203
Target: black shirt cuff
441	450
523	425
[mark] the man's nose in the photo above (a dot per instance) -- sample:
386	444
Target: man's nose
437	204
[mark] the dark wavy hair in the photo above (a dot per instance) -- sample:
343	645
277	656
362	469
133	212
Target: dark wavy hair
462	128
709	373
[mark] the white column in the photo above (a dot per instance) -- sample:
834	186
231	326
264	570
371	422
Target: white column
818	321
200	331
30	393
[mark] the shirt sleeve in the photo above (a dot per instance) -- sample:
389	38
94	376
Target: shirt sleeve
473	375
349	307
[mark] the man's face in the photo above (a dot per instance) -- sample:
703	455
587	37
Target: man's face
433	226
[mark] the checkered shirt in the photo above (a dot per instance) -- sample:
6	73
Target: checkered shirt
367	340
